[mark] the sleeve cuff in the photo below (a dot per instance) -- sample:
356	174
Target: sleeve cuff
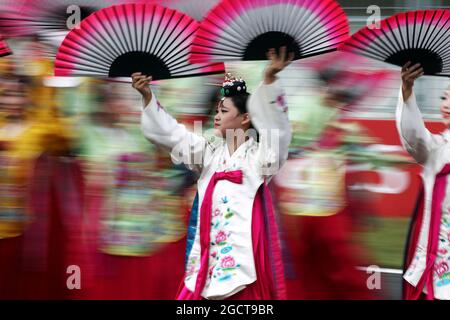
411	101
144	106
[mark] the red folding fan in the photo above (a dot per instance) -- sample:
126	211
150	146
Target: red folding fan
246	29
10	13
418	36
119	40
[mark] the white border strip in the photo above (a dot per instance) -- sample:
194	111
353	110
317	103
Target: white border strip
382	270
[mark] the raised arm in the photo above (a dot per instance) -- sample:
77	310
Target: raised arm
269	114
161	128
415	137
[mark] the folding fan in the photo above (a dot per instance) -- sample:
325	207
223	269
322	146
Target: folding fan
10	13
196	9
119	40
245	30
418	36
4	49
31	17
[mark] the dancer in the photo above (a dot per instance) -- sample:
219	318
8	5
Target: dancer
235	252
427	271
130	237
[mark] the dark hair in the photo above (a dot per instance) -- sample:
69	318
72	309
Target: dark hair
240	101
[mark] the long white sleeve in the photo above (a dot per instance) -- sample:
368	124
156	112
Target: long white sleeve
161	128
415	137
269	114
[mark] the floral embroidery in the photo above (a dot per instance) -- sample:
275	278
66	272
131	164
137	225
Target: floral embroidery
441	268
229	214
227	268
227	262
190	268
442	272
444	281
225	277
445	220
222	265
280	100
190	271
282	103
221	237
226	250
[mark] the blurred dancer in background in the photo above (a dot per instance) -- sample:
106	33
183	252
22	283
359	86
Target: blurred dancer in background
41	196
312	192
15	165
53	241
133	225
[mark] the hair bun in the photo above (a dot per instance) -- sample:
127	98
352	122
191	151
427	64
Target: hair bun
233	86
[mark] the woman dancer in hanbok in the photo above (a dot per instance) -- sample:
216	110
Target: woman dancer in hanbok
427	272
234	251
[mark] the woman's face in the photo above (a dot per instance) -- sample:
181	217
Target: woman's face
445	108
228	117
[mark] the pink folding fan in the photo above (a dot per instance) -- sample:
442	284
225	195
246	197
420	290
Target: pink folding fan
418	36
10	13
196	9
32	17
119	40
246	29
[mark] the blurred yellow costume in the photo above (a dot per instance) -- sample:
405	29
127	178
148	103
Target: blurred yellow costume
21	142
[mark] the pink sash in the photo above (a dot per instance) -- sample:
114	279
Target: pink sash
205	225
